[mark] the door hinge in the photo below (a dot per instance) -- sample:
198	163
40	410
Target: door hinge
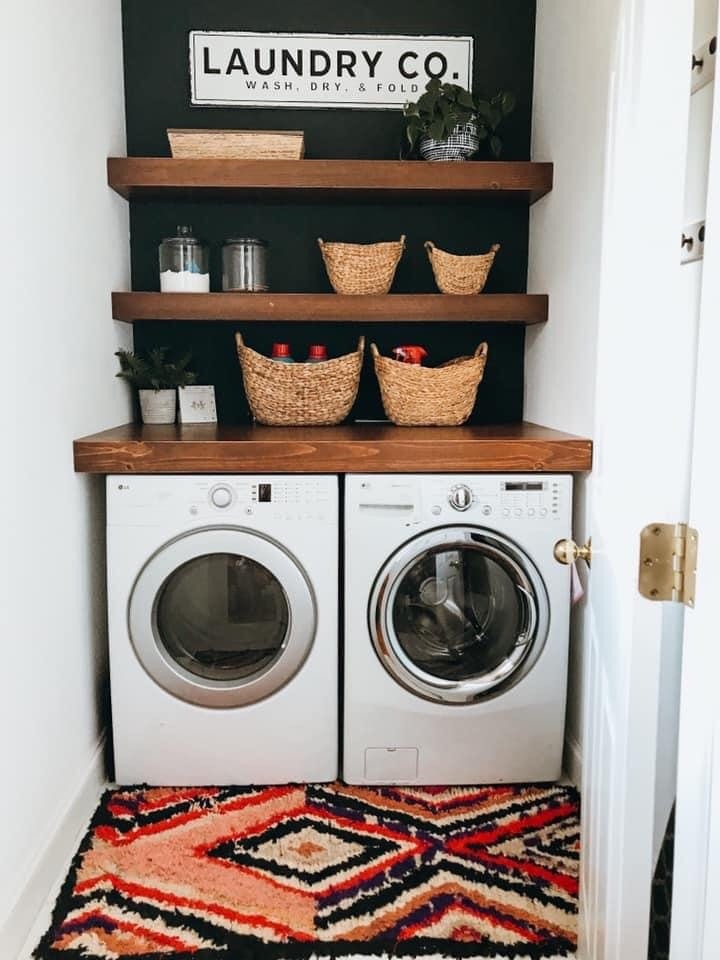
702	64
692	244
668	561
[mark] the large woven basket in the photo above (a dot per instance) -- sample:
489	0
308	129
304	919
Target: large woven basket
237	144
415	396
459	274
300	394
361	268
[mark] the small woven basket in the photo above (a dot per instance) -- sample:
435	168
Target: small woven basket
458	274
300	394
415	396
361	268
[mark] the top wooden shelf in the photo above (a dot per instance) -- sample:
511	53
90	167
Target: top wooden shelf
522	181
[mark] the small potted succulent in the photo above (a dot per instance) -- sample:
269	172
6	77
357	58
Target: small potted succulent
448	122
156	378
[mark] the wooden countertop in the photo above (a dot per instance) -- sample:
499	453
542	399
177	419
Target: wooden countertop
351	448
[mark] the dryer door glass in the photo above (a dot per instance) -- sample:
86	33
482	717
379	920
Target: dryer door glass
458	614
222	617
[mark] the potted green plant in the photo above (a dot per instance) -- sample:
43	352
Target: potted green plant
156	378
448	122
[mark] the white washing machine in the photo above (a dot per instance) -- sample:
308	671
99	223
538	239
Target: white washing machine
456	628
223	628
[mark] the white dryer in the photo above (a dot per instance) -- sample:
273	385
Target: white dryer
456	628
222	596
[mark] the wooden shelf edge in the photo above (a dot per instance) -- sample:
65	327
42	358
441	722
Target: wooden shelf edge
524	179
352	448
330	307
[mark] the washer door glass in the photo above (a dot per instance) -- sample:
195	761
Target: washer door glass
222	617
458	614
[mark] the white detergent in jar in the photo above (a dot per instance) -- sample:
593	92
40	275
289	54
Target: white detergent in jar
184	281
184	264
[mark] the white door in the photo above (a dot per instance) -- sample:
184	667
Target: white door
647	351
696	882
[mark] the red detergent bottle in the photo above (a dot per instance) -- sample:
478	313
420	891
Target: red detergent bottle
317	353
410	354
281	353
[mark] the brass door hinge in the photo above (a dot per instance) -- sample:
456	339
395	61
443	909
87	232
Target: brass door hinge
668	560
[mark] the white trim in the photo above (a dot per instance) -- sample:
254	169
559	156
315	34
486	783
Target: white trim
30	916
573	760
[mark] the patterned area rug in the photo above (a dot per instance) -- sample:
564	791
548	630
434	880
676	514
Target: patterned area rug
329	870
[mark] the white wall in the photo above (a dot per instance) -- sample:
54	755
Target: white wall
64	247
572	68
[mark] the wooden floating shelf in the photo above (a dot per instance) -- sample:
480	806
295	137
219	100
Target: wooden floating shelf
331	307
351	448
380	180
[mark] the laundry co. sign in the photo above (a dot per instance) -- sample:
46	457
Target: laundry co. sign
321	70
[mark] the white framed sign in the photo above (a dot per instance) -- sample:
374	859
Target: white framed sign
197	404
321	69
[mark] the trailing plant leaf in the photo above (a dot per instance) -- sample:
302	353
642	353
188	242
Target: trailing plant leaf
508	102
464	98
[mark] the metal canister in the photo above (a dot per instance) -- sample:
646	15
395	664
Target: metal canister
245	264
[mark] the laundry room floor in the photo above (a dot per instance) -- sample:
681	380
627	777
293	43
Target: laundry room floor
327	870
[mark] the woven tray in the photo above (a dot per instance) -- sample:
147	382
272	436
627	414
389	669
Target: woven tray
300	394
460	274
416	396
237	144
362	268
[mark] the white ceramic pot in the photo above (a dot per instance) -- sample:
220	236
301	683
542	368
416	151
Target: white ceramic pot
158	406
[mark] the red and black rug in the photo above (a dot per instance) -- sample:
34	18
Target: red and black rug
328	870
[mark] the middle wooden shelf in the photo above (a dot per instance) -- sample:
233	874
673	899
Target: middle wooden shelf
327	307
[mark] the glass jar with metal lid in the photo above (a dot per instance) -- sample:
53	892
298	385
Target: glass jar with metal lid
184	263
245	264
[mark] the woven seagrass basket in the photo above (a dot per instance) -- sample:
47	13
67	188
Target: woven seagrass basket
300	394
237	144
459	274
361	268
415	396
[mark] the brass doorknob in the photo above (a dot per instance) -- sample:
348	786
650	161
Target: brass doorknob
567	551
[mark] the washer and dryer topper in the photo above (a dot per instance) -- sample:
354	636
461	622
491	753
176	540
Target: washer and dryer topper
456	628
223	628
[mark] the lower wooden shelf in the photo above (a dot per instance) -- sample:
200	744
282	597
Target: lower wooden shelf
351	448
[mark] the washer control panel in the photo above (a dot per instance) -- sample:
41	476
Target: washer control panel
482	499
530	499
487	497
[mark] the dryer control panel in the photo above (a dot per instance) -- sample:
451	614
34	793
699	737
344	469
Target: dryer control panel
212	499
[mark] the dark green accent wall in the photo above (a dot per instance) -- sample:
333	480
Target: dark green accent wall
157	94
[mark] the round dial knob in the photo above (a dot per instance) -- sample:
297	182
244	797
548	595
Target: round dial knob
461	497
221	497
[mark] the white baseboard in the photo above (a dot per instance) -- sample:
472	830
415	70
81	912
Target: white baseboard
30	916
572	760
